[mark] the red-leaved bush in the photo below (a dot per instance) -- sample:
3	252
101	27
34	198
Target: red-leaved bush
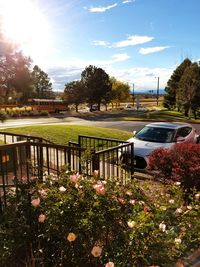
179	164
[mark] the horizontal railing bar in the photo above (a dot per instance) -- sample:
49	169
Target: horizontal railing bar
102	138
113	148
26	136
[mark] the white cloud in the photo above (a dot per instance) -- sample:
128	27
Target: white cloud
120	57
101	9
62	73
114	59
133	40
100	43
128	1
150	50
143	78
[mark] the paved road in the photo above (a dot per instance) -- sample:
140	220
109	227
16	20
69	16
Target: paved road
103	121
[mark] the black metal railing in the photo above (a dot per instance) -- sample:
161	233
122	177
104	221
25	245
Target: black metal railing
115	163
34	157
98	143
9	138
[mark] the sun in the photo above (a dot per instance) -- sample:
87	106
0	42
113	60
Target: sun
25	24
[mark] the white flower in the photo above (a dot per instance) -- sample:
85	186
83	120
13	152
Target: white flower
162	227
171	201
189	207
177	241
131	224
197	196
179	210
132	201
62	189
177	183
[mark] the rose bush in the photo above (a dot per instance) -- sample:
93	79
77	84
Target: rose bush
180	164
78	221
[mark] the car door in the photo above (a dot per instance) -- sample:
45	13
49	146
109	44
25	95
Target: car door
186	133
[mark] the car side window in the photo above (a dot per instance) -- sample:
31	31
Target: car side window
183	132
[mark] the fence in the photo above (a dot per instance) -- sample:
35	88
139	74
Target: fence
33	157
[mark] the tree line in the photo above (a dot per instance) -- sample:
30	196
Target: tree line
95	87
183	89
19	81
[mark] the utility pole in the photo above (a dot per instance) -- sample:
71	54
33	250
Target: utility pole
133	95
158	81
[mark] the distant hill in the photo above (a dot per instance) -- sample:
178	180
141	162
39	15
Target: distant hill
150	91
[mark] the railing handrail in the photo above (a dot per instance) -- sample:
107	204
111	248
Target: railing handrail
23	143
103	138
27	136
16	144
113	148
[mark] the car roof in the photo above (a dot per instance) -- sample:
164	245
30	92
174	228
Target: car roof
171	125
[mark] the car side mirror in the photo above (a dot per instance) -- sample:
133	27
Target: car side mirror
134	133
180	139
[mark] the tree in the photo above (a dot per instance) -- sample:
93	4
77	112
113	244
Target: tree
173	84
188	94
14	72
74	93
42	87
97	85
120	91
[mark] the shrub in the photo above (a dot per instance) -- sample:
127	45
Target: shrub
44	113
34	113
3	116
180	164
76	221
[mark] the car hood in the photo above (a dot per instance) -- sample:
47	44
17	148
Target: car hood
145	148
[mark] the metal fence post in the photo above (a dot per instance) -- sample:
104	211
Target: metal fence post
95	161
132	160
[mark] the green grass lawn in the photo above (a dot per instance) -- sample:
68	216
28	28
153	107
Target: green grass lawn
162	115
62	134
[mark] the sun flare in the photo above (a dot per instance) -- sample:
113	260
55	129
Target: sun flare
25	24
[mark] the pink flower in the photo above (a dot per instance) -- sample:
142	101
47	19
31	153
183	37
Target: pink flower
96	251
121	200
43	192
33	178
35	202
41	218
71	237
110	264
74	178
99	187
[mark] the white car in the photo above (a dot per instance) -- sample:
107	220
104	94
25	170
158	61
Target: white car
158	135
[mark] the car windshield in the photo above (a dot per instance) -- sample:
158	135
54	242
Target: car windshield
156	134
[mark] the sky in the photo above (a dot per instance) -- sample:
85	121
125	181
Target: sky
136	41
